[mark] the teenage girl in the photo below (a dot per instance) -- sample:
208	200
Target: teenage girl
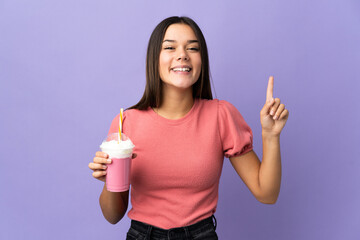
181	136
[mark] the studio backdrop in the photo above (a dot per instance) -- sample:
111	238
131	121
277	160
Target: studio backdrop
67	67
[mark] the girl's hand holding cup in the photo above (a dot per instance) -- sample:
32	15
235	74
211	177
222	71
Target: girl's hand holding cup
116	150
99	165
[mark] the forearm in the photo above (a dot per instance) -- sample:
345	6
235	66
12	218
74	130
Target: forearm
113	204
270	168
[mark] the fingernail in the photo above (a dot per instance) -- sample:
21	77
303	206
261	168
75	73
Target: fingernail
272	112
104	167
105	155
108	160
275	117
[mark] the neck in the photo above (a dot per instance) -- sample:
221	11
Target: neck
175	103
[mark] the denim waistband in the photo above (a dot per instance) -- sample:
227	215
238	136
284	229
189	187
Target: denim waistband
175	233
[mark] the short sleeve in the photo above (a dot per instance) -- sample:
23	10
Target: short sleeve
235	133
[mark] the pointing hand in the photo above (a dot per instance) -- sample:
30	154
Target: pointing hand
273	115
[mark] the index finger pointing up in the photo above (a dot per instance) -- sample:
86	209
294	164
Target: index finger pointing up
270	89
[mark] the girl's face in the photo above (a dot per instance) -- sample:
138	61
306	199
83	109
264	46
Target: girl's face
180	60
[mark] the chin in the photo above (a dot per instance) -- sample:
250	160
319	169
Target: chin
181	85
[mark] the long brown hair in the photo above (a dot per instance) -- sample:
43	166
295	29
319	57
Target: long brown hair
152	96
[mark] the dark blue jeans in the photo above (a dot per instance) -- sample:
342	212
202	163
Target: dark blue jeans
205	229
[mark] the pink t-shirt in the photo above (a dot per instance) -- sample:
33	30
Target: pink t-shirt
175	176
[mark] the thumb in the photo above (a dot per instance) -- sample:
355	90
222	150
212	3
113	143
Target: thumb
266	109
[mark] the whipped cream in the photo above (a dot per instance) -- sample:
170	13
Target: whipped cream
122	149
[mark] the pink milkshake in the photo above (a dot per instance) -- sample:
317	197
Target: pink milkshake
118	171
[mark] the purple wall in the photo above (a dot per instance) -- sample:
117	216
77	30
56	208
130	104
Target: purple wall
66	67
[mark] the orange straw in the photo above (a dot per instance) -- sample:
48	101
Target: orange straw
119	135
120	123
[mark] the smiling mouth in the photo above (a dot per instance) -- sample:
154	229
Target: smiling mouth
181	69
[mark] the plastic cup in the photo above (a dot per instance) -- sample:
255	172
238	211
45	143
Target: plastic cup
118	171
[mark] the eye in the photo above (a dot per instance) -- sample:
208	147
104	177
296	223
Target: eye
194	49
169	48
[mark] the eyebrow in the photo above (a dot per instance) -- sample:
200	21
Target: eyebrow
188	41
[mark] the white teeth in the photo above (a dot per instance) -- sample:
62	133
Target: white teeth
181	69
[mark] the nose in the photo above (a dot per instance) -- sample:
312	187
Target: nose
182	55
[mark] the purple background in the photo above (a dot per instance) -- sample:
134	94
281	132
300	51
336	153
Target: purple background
66	67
